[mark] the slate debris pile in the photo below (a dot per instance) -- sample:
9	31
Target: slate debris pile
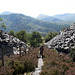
9	43
65	41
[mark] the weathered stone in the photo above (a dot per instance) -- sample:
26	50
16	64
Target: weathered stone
64	41
9	43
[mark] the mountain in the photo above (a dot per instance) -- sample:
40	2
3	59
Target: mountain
48	18
18	22
66	17
5	13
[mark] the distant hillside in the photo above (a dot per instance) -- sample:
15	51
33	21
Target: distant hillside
66	17
48	18
19	22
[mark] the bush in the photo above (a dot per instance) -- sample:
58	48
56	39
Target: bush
49	36
16	65
19	68
54	64
29	66
6	70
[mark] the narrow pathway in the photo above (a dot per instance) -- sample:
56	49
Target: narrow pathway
38	69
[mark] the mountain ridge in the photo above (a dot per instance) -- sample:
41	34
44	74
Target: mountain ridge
18	22
48	18
67	17
6	13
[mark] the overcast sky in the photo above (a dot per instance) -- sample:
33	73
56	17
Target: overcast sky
35	7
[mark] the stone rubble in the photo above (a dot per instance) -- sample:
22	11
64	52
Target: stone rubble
10	43
65	41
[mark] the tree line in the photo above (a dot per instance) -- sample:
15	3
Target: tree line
33	39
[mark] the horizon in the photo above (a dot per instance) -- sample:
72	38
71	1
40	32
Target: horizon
37	15
34	8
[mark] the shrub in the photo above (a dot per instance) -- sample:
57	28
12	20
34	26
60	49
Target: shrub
56	72
16	65
19	69
54	64
29	66
6	70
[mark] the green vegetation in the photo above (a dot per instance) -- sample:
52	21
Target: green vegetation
18	22
11	33
63	29
66	17
21	35
3	25
16	65
35	39
48	18
54	63
60	18
49	36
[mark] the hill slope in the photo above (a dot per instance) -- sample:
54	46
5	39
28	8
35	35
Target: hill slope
66	17
48	18
19	22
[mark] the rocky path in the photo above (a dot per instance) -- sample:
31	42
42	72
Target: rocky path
38	69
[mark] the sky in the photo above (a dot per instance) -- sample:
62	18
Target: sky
35	7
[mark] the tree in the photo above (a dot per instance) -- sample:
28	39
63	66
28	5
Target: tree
2	45
21	35
12	33
35	39
3	25
49	36
63	29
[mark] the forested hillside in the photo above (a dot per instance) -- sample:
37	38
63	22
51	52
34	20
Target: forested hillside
63	19
18	22
48	18
66	17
